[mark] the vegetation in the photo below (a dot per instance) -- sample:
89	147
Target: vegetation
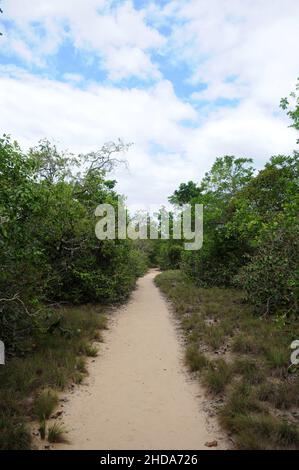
45	404
241	358
49	253
29	383
56	433
251	229
237	297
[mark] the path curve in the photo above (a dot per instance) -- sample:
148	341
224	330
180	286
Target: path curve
138	394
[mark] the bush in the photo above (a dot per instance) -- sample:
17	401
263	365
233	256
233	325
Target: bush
48	249
271	277
170	255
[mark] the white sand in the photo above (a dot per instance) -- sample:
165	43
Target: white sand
138	394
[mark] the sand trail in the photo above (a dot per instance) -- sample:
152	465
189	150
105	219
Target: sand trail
138	394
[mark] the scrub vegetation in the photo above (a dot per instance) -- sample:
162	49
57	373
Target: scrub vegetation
237	298
51	266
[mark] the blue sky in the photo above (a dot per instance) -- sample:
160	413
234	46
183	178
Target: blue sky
185	81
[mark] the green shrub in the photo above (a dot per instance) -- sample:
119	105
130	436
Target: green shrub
271	277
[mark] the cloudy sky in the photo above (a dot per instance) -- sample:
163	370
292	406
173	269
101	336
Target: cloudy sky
185	81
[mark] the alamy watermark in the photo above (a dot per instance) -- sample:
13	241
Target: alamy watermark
2	353
150	223
295	353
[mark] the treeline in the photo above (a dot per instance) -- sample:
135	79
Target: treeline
49	253
251	229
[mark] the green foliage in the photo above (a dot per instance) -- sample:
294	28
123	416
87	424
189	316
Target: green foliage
185	193
48	249
271	277
170	255
221	255
292	105
265	217
251	228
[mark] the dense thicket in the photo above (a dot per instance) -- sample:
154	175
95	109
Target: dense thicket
251	228
48	249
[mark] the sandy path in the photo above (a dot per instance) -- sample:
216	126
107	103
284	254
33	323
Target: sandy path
138	394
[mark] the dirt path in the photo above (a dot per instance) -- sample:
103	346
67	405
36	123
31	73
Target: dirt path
138	394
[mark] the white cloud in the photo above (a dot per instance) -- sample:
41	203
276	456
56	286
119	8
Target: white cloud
118	35
241	49
125	62
82	120
252	42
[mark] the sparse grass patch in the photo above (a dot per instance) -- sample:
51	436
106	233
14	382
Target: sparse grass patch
240	400
278	358
253	381
281	395
14	433
249	370
52	365
217	376
214	337
287	435
195	360
243	343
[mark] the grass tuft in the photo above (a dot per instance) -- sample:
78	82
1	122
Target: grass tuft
217	376
45	404
195	360
254	382
249	370
56	433
42	429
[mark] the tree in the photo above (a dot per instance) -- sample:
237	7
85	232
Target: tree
291	104
219	259
1	11
185	194
48	248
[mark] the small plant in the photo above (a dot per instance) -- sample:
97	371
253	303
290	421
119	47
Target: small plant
214	337
88	349
249	370
98	337
78	377
194	359
56	433
278	359
218	376
287	435
91	351
80	365
282	395
45	404
241	401
243	344
42	429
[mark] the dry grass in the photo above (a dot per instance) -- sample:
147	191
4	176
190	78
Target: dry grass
45	404
28	383
242	357
56	433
